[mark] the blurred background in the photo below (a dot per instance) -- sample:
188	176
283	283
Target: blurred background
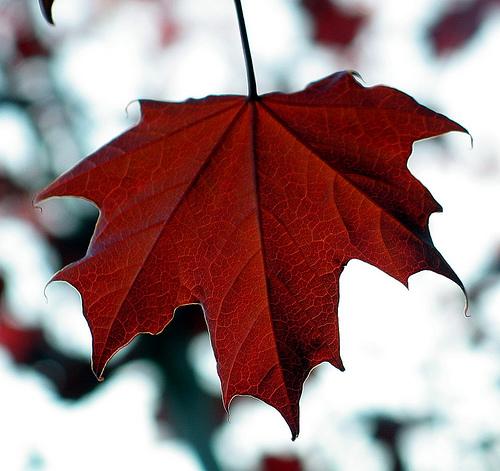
421	390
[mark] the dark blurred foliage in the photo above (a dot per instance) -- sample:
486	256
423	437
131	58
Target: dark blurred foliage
490	277
185	406
458	24
334	25
9	188
387	431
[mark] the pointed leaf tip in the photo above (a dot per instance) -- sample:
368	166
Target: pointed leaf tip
46	7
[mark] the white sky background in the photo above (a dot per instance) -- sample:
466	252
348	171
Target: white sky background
407	353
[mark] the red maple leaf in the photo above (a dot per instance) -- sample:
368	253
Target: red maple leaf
252	207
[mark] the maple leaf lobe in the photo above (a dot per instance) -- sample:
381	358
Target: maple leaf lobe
252	208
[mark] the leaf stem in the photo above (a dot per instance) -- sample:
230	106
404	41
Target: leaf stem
252	85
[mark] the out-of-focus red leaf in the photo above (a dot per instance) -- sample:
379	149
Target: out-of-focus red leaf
21	32
275	463
169	31
459	24
18	341
28	45
334	25
252	208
